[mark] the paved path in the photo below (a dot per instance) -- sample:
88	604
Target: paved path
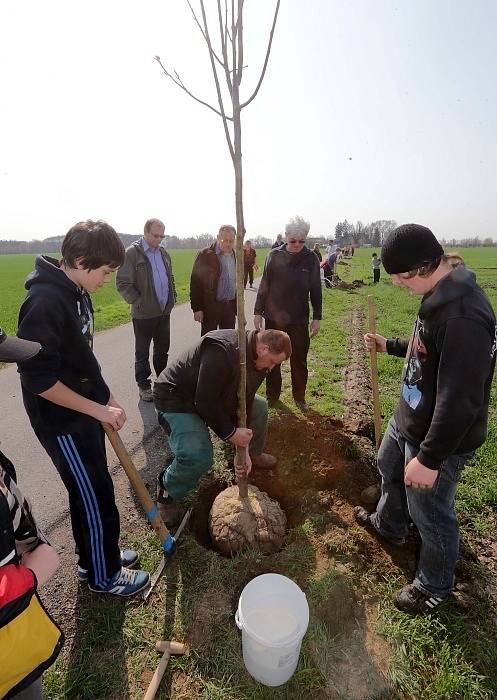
114	349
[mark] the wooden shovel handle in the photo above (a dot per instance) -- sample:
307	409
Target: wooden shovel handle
157	677
137	484
374	373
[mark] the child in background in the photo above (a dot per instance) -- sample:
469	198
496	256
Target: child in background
67	399
27	561
375	264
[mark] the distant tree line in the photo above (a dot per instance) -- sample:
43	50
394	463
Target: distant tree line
53	243
474	242
359	234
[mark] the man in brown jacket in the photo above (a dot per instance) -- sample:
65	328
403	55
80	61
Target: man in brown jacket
146	282
213	283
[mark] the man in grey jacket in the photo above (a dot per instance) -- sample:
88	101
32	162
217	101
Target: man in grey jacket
146	282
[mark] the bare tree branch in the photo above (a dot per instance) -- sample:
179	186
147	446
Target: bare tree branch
240	42
267	58
203	33
233	40
177	81
226	30
216	80
223	48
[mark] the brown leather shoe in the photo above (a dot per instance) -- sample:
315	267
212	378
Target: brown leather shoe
263	461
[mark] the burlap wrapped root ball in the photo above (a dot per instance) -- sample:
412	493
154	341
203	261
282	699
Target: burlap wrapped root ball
256	522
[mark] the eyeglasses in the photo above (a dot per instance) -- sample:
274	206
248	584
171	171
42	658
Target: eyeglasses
300	241
226	240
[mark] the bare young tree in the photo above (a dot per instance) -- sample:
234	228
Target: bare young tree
228	59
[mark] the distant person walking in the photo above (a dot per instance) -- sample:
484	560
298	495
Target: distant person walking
291	277
375	264
317	252
213	283
146	282
331	247
279	241
249	264
442	413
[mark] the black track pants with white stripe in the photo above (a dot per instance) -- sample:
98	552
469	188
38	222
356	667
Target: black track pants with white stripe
80	459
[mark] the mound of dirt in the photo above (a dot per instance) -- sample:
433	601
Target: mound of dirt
355	284
256	522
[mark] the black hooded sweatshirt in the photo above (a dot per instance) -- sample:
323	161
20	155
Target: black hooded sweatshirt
58	315
447	377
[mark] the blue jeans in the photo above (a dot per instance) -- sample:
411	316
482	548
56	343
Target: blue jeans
191	445
431	510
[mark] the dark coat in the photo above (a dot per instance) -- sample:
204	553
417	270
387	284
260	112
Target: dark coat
450	362
205	378
204	279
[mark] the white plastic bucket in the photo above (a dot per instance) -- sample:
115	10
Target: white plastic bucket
273	615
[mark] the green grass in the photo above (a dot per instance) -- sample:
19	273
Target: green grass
110	309
448	656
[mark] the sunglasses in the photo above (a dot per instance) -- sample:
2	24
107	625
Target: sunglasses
300	241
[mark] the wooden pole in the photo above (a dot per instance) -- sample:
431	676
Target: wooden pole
374	374
240	234
140	489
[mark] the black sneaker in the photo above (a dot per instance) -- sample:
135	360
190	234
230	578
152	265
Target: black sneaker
412	600
146	394
363	518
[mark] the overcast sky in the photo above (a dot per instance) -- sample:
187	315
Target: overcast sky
370	109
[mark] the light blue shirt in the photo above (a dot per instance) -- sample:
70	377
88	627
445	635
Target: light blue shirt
226	287
159	272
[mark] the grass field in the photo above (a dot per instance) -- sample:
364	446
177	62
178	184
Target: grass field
110	309
348	578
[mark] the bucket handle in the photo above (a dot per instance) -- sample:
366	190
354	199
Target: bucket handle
238	622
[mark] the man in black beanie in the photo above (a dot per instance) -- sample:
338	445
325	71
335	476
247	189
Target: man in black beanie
441	417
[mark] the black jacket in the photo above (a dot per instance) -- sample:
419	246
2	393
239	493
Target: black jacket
204	380
204	279
448	374
288	281
59	316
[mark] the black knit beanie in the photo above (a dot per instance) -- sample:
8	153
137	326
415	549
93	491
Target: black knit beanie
409	246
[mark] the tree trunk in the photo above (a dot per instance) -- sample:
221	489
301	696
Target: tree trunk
240	303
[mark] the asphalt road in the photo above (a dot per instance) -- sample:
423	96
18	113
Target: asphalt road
114	349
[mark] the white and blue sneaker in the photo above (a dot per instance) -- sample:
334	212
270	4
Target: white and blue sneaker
125	583
129	559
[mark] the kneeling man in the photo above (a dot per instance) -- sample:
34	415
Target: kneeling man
199	391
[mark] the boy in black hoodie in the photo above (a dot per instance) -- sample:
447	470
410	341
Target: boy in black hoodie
67	399
441	418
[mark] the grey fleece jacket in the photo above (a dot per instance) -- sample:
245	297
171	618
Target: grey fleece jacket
135	283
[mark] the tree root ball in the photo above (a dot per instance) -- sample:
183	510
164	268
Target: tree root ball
256	522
